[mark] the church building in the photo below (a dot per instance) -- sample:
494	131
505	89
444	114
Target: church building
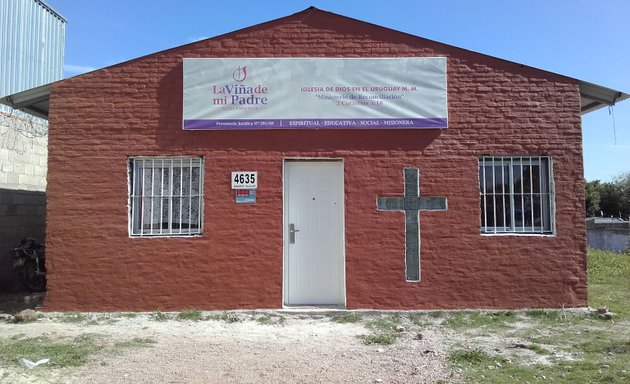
315	160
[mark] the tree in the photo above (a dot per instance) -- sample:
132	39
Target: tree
623	189
611	198
593	191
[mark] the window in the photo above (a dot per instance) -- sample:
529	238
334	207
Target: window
166	196
516	195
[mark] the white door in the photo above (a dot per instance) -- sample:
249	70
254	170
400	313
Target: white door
314	271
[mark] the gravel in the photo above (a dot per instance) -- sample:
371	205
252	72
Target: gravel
302	348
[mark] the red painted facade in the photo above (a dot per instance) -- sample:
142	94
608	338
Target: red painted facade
496	107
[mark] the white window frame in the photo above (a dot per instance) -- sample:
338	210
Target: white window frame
514	228
137	166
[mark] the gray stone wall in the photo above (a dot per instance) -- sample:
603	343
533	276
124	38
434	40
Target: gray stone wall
611	236
23	168
23	152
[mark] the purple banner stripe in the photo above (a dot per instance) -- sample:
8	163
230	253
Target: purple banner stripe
243	124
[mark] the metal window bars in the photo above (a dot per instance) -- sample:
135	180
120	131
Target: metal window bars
166	196
522	202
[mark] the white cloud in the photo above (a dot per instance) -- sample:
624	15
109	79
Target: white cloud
77	69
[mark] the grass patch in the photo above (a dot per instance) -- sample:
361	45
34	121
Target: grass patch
138	342
268	320
422	320
383	330
384	324
346	318
616	348
106	319
191	314
555	316
381	338
544	315
81	318
604	266
265	320
74	318
71	353
226	317
470	357
437	314
569	348
538	349
128	315
458	320
570	338
606	345
158	315
593	364
609	281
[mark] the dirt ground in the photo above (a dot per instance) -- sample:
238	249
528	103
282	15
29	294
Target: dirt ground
261	347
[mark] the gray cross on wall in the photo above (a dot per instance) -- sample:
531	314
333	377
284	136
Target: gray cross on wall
412	203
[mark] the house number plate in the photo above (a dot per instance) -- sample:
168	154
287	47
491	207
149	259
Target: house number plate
244	180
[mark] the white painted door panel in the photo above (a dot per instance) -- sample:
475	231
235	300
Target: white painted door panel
314	263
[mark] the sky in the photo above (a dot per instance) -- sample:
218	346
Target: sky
583	39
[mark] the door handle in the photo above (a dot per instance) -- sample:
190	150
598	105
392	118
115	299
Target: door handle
292	231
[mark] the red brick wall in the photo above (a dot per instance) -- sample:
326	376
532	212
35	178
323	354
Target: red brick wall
495	108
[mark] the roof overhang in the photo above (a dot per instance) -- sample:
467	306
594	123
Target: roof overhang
595	96
36	100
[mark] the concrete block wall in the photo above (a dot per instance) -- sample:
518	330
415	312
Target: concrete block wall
612	236
135	108
23	168
23	152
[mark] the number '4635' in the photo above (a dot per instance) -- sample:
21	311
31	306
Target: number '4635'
245	178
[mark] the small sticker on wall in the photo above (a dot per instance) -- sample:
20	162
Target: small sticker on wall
245	196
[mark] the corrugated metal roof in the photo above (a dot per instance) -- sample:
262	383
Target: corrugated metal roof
32	38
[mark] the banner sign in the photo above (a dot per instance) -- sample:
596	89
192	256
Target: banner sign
297	93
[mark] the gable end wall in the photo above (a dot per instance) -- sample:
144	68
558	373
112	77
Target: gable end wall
495	108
